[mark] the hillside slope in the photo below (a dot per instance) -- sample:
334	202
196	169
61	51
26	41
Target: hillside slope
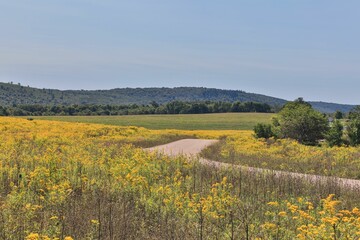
331	107
15	94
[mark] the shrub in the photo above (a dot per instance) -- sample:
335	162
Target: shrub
334	135
353	132
263	131
338	115
298	120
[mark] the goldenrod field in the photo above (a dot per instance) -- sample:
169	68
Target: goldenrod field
287	155
86	181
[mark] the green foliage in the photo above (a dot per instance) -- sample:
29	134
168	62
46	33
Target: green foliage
298	120
353	127
355	113
11	94
338	115
335	133
14	94
263	131
353	132
175	107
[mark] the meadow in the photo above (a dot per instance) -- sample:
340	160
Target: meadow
68	181
287	155
215	121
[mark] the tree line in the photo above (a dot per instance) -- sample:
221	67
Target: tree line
298	120
175	107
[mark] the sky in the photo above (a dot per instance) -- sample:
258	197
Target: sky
281	48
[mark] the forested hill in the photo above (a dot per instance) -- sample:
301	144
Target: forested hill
16	94
11	94
331	107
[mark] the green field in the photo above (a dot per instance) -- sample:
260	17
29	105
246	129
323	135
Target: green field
217	121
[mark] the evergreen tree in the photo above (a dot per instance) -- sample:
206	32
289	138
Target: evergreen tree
335	133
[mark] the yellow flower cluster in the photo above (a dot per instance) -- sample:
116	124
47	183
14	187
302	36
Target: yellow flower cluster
45	164
36	236
87	181
326	221
288	155
217	204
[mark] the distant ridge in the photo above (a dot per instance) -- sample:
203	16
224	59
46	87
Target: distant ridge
22	95
331	107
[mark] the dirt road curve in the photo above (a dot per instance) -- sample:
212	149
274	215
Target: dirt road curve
192	148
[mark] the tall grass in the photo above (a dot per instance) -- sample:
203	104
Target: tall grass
61	180
286	155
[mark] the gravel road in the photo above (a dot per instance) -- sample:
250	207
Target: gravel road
189	147
193	147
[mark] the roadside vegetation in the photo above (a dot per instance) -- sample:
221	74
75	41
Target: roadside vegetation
86	181
301	140
299	121
286	155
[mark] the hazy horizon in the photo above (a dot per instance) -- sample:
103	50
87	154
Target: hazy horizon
284	49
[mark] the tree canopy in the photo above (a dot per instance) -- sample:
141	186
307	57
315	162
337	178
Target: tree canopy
174	107
298	120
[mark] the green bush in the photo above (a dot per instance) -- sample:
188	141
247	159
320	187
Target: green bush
298	120
334	135
353	132
263	131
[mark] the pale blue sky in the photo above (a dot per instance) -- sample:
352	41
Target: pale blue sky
282	48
